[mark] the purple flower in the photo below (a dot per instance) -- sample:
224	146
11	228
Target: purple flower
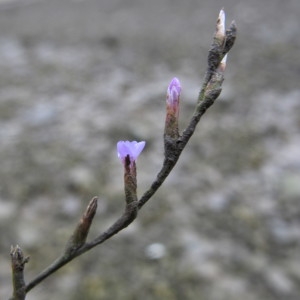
133	149
173	93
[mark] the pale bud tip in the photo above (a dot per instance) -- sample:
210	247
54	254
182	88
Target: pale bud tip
222	65
173	92
222	15
221	23
224	59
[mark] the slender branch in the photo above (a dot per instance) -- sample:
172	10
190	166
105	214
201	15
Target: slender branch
128	217
177	145
174	145
207	96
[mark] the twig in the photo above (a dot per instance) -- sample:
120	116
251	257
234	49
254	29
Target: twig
128	217
174	145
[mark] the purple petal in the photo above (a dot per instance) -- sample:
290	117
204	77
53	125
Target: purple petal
139	148
133	149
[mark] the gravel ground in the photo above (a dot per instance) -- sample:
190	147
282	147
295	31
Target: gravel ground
77	76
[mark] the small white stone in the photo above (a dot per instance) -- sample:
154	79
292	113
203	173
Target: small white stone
6	209
155	251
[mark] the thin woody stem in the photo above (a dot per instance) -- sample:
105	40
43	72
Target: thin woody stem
210	91
174	145
128	217
17	263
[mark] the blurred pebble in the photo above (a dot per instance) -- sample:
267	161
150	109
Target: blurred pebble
155	251
279	281
6	210
284	232
71	206
29	234
290	185
218	202
40	114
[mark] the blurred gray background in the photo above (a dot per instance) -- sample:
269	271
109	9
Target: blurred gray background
77	76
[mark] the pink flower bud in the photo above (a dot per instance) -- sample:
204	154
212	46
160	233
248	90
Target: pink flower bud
173	94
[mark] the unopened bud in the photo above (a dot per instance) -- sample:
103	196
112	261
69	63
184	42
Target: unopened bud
172	114
173	94
81	231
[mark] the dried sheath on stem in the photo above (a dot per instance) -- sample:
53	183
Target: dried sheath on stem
81	231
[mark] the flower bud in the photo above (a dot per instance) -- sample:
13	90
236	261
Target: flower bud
173	96
81	231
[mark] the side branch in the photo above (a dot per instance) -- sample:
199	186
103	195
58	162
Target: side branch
175	146
210	91
128	152
128	217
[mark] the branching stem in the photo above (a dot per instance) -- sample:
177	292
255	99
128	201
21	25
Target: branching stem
174	145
